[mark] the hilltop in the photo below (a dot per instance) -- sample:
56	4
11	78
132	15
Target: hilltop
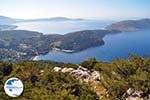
121	79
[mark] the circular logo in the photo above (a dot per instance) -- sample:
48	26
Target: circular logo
13	87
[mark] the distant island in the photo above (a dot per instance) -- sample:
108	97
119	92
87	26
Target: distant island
6	23
7	27
53	19
130	25
7	20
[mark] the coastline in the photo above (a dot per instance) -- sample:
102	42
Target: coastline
63	50
35	58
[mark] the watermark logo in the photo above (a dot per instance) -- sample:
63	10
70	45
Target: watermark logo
13	87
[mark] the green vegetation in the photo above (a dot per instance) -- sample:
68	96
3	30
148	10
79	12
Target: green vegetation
89	64
121	74
41	83
81	40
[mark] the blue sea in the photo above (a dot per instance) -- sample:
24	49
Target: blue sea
116	45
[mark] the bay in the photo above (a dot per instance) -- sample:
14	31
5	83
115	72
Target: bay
116	46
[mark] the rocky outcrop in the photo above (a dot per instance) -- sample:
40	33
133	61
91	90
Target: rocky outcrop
132	94
81	73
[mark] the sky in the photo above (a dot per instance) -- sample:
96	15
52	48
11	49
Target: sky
30	9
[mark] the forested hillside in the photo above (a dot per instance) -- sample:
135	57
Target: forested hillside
120	79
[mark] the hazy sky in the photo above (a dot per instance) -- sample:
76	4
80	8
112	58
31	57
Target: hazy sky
75	8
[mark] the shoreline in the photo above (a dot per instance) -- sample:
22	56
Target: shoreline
35	58
63	50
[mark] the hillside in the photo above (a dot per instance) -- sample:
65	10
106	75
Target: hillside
22	45
77	41
130	25
19	34
121	79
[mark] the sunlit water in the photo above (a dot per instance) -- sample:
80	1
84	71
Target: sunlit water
63	27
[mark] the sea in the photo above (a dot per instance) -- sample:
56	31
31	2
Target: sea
115	46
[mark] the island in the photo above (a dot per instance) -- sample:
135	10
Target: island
7	20
7	27
130	25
